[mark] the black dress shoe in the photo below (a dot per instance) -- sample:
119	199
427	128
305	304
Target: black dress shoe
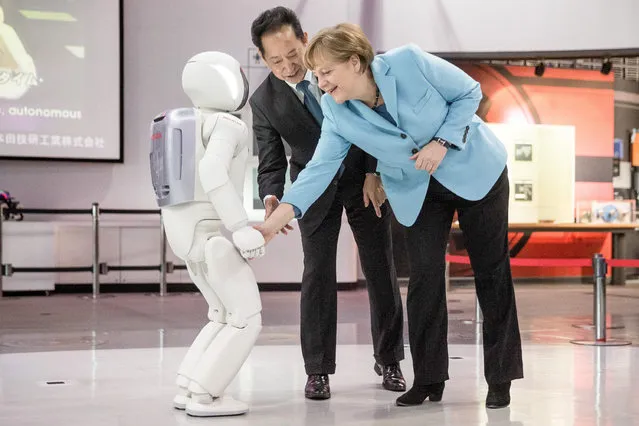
498	396
317	387
392	377
418	393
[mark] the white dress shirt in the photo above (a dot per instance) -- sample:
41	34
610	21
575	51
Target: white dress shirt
313	87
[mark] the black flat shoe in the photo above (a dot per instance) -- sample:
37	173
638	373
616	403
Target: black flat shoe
393	379
317	387
418	393
498	396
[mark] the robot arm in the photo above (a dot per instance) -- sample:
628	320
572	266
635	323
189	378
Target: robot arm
225	135
221	148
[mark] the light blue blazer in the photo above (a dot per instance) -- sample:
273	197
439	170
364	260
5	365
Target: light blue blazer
427	97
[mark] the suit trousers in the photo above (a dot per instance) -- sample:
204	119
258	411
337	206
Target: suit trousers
484	225
318	307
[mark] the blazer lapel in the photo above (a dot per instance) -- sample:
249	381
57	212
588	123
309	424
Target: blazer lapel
388	90
387	86
292	102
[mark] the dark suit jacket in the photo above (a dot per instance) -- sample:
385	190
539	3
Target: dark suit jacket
278	114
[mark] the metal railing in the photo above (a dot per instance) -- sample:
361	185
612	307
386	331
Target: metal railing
600	268
97	268
598	263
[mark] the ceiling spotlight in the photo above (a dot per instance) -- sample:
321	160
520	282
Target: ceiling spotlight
606	67
540	69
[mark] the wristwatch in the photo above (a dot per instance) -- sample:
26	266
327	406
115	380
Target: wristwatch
443	142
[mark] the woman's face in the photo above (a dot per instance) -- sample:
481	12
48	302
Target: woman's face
341	80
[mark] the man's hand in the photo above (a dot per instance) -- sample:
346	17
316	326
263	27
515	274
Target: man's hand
278	220
374	193
429	157
249	242
270	204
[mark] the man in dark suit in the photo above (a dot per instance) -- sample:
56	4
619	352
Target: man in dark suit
286	106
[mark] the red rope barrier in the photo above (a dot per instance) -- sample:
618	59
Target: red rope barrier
531	262
623	263
458	259
613	263
551	262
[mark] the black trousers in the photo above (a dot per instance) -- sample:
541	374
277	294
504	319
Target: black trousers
484	224
318	307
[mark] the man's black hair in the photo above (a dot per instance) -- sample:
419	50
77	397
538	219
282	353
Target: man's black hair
272	20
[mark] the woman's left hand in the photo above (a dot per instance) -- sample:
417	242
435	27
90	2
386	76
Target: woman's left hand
429	157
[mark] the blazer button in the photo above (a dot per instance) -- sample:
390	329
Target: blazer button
403	135
414	151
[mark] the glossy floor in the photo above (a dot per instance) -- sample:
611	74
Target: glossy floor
69	360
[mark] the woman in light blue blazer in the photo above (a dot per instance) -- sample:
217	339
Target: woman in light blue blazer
415	113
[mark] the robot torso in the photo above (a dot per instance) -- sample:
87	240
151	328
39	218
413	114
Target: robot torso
179	141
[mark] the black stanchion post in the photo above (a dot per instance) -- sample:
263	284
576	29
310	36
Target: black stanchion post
95	214
600	268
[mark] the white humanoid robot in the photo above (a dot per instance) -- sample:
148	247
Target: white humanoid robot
198	160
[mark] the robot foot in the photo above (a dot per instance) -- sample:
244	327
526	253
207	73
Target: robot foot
204	405
181	399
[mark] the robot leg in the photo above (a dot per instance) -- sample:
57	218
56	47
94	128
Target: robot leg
234	282
217	321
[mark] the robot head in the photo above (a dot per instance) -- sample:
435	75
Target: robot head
214	80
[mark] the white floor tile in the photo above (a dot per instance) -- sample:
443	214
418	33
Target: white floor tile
565	384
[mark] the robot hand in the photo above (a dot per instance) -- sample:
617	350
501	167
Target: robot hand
249	242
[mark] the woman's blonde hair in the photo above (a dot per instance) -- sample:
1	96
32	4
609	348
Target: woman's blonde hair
339	44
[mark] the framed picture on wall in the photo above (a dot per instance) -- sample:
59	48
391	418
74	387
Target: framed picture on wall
523	152
523	191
